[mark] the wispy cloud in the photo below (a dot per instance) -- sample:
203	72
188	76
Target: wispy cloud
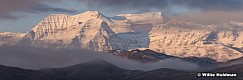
200	11
39	8
148	4
212	17
8	7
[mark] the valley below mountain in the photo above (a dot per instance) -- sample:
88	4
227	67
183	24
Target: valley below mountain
77	64
102	70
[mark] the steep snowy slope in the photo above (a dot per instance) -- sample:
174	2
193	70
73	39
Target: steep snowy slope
85	30
181	38
92	30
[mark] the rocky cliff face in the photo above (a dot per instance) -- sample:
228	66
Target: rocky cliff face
88	30
92	30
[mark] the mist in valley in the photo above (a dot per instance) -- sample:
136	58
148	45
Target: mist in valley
40	58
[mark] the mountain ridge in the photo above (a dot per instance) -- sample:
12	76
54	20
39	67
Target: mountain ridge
92	30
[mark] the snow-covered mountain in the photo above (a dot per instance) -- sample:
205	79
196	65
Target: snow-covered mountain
179	38
92	30
89	30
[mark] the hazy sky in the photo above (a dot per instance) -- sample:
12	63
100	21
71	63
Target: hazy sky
22	15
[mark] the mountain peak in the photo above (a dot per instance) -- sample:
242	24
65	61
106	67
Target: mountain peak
91	13
147	14
93	64
95	12
144	13
155	13
152	17
58	15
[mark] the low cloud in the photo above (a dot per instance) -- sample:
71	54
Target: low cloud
228	5
166	63
38	58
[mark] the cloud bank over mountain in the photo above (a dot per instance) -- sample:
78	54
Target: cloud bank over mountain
200	11
8	7
38	58
200	4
